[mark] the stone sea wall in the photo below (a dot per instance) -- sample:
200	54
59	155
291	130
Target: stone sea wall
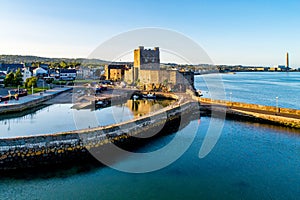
250	106
35	151
269	114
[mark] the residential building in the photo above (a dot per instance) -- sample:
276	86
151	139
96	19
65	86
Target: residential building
40	72
67	74
2	77
26	74
7	67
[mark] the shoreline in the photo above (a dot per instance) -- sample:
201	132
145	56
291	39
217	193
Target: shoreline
234	72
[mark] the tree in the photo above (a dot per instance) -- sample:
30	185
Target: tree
35	64
54	65
63	64
9	79
98	72
32	81
18	78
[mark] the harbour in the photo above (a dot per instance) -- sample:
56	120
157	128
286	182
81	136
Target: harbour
259	143
149	100
265	153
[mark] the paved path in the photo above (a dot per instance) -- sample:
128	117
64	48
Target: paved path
35	96
233	108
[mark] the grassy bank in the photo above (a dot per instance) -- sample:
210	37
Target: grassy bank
85	81
35	90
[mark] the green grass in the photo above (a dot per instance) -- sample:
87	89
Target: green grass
35	90
59	82
85	81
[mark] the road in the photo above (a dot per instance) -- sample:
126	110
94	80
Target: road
3	91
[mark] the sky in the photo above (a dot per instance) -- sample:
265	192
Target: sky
230	31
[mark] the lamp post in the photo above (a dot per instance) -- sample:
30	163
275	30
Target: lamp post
230	94
18	89
32	90
276	104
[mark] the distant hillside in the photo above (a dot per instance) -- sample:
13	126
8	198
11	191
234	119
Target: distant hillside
30	59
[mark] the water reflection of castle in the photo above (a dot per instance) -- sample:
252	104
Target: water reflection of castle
146	71
143	106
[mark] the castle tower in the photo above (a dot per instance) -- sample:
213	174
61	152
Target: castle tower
145	59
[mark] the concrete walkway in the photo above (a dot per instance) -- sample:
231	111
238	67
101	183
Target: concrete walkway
30	101
285	119
33	97
250	110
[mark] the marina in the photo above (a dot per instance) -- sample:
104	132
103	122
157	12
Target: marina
265	153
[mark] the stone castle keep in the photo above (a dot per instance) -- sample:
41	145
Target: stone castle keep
146	71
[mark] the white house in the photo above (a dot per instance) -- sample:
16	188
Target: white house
26	74
39	71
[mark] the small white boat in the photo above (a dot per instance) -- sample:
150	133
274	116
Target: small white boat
149	96
135	97
199	93
100	103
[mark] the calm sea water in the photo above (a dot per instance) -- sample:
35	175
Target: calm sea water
61	117
254	87
250	161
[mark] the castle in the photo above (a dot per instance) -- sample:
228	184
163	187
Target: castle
146	72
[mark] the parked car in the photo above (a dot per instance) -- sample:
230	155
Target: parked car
106	82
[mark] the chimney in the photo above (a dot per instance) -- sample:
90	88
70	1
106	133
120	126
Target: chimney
287	60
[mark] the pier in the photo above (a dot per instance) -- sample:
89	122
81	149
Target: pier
260	113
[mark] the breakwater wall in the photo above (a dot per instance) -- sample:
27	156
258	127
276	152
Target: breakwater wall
34	102
251	106
74	146
270	114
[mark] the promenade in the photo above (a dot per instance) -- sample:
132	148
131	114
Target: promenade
30	101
